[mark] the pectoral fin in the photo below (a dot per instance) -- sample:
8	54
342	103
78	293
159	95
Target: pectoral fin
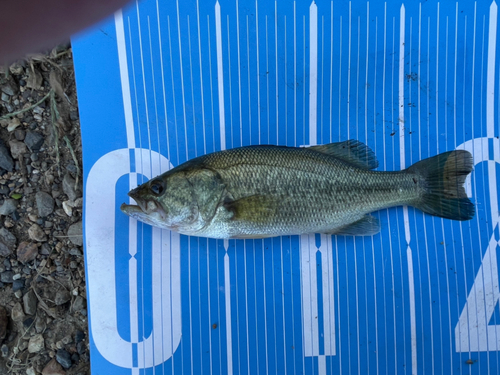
367	226
255	208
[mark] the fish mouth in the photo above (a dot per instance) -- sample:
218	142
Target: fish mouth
153	218
135	210
143	208
131	209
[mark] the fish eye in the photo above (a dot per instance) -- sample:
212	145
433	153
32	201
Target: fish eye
157	187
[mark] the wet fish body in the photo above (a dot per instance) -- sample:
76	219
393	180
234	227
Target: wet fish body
265	191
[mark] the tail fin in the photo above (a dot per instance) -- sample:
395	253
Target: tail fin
443	177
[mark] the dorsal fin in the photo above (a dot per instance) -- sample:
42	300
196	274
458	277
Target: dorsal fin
351	151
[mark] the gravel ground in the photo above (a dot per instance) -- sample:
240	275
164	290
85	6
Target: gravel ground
43	315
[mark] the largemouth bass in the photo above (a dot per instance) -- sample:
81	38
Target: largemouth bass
266	191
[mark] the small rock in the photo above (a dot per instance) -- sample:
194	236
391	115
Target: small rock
4	321
39	325
22	346
80	347
78	202
75	251
26	252
28	322
45	249
60	212
15	215
18	294
17	149
36	343
17	276
17	313
38	110
36	233
5	350
13	123
44	203
73	115
30	302
5	251
79	303
79	336
71	167
64	358
7	238
9	88
5	97
6	161
53	368
8	207
17	285
16	69
7	277
75	233
20	134
34	80
67	340
30	371
62	296
68	208
33	140
7	242
68	185
75	357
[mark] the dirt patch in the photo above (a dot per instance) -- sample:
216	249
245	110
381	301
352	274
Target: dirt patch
42	279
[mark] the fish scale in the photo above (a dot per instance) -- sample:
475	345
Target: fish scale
314	192
264	191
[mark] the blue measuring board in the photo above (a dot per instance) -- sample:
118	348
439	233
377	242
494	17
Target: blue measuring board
161	82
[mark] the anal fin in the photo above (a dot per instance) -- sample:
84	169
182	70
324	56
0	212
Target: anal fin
367	226
252	236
